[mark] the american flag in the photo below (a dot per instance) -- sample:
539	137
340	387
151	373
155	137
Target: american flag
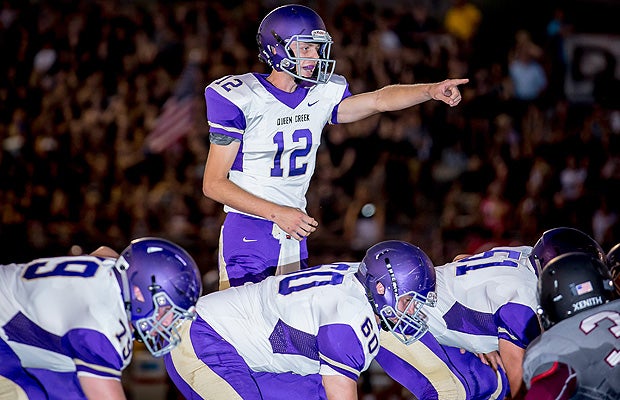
582	288
177	114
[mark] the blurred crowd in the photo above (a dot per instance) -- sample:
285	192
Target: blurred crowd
83	82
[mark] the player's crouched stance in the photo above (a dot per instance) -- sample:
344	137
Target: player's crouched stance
308	333
578	355
67	323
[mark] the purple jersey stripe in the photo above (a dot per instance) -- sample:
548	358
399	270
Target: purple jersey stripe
87	345
334	118
519	322
59	385
22	330
288	340
290	99
238	163
462	319
224	113
341	349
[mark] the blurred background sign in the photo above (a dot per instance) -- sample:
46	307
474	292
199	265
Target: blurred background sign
593	72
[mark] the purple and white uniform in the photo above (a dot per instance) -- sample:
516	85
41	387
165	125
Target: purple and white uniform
430	370
480	299
486	297
60	318
276	338
280	133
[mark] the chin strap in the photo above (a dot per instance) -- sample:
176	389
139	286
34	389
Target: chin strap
121	267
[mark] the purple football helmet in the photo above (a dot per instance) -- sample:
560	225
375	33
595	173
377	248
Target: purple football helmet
161	284
399	279
557	241
291	25
613	263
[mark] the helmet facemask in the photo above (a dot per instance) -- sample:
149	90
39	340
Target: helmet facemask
160	331
323	66
285	57
409	324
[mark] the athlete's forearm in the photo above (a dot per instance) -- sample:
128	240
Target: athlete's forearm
226	192
398	97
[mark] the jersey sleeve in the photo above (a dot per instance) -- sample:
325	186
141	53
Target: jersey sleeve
517	323
340	351
348	336
223	116
94	354
347	93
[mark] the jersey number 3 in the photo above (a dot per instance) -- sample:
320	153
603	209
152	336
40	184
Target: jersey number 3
592	322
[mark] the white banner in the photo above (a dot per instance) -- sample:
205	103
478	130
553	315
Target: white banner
589	56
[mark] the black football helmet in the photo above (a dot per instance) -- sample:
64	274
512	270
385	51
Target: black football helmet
571	283
557	241
613	262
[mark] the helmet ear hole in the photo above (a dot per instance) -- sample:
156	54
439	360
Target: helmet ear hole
380	288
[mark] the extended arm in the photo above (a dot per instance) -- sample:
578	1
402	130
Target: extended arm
100	388
338	387
218	187
512	359
398	97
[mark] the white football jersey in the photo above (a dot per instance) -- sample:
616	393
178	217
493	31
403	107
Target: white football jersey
65	314
280	132
485	297
314	321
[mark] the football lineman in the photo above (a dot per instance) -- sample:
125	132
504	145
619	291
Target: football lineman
309	332
67	324
578	355
486	304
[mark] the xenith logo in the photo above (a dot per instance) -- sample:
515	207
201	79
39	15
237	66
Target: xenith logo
591	302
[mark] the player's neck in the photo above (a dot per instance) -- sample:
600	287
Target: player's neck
282	81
